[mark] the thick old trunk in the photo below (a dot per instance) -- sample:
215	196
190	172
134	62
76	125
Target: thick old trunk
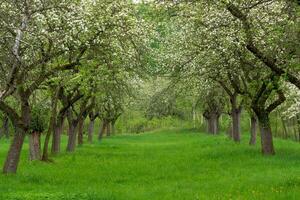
72	136
13	156
266	135
253	131
35	146
80	131
91	131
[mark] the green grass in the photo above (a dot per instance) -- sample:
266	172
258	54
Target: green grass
159	165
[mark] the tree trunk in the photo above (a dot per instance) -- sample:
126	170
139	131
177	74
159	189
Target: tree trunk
213	123
80	131
253	131
35	146
266	135
285	132
91	131
55	149
51	127
235	118
113	127
13	156
236	125
6	127
102	130
229	130
108	129
72	136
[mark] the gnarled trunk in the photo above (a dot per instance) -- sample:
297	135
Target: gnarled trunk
253	131
91	131
35	146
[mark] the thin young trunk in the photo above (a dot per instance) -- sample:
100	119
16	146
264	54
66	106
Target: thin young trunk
6	127
80	131
35	146
91	131
229	130
51	128
285	132
108	129
13	156
253	131
102	130
266	135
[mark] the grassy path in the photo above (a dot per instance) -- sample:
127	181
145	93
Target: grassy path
163	165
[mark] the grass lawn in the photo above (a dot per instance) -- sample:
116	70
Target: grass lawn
171	164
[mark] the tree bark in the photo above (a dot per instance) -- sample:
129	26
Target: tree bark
80	131
253	131
35	146
55	149
113	127
235	118
51	128
73	125
5	127
236	125
13	156
213	123
108	129
91	131
102	130
266	135
22	125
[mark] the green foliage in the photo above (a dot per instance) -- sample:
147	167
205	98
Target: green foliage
165	165
39	118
